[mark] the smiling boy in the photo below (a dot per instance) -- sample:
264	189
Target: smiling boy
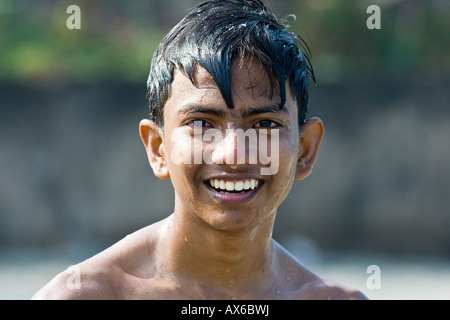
228	73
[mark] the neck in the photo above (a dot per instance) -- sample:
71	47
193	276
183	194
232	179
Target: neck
218	262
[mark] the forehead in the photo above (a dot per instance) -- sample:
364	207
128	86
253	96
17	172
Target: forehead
249	81
247	73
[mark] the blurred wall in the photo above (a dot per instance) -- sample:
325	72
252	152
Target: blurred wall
72	166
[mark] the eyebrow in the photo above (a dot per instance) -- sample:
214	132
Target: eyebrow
248	112
193	108
251	111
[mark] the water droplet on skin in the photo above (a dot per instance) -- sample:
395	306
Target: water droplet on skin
201	98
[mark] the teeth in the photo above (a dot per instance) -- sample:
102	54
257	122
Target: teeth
234	185
239	185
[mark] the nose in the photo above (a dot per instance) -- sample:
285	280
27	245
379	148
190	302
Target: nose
225	151
236	148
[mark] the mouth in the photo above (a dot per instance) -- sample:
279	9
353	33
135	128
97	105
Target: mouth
240	186
233	192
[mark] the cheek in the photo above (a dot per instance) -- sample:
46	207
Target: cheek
182	162
288	161
285	151
183	149
282	181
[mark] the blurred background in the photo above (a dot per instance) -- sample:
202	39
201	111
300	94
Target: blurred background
74	177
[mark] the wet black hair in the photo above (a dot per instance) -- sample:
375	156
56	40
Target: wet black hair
215	32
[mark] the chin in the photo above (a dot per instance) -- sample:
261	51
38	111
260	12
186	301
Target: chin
233	220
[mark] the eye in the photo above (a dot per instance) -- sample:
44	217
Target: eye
199	123
266	124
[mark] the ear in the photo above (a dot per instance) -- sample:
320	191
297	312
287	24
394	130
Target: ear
152	137
311	135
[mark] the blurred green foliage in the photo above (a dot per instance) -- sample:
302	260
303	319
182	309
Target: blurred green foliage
117	39
37	45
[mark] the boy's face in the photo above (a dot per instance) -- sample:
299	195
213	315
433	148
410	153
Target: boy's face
199	147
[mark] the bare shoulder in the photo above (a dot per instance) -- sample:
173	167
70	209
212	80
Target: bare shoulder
78	282
105	275
304	284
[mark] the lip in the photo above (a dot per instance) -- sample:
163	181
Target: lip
233	199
